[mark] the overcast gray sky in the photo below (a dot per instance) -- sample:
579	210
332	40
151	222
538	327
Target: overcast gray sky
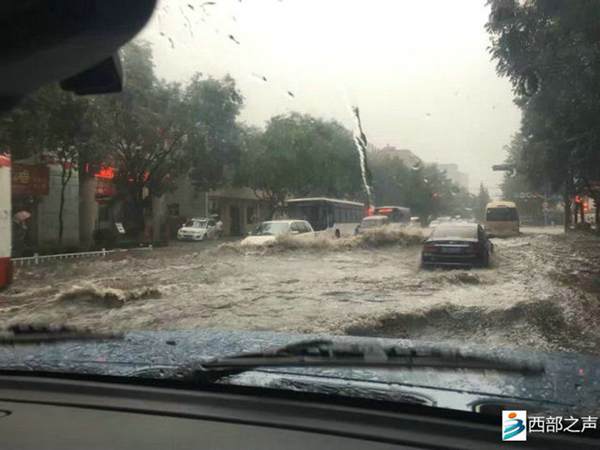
418	69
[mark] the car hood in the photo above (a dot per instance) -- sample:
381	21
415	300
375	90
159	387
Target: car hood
258	240
570	384
192	230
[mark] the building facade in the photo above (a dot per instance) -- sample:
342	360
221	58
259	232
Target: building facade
239	208
36	188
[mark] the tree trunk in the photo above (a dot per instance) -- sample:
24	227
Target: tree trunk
272	209
157	218
65	177
567	201
87	209
133	211
61	206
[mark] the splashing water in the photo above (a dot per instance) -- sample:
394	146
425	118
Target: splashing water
360	139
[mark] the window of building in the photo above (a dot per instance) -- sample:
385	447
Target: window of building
250	215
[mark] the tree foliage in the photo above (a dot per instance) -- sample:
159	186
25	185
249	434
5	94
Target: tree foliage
302	156
210	111
423	188
158	131
550	52
152	132
55	124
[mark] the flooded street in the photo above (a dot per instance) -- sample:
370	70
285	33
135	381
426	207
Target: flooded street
541	292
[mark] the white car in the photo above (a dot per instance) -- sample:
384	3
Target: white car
197	230
372	223
266	232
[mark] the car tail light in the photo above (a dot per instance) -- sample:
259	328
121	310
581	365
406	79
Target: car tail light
430	248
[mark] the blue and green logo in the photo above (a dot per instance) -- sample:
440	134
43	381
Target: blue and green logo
514	425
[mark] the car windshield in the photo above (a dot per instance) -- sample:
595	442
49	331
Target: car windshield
196	224
238	118
456	231
271	229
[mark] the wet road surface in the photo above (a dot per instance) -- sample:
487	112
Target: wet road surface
541	292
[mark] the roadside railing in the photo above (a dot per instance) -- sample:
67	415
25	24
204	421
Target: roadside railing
40	259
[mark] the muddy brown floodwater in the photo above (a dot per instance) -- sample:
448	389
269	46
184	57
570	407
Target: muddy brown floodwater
542	292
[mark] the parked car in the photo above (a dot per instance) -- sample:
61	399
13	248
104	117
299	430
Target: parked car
198	230
372	223
457	244
267	232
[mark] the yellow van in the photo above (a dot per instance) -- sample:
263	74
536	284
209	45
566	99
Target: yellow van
501	219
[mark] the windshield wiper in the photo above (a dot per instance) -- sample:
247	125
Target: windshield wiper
326	353
34	334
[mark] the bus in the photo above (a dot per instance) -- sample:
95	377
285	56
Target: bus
340	217
396	214
502	219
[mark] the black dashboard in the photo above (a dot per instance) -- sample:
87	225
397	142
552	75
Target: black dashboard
54	413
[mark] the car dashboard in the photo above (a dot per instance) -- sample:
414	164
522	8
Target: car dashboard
57	413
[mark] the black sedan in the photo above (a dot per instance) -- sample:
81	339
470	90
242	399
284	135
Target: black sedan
457	244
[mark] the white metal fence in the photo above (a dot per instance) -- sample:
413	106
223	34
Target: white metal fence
40	259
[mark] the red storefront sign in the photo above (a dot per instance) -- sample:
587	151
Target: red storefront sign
105	173
30	180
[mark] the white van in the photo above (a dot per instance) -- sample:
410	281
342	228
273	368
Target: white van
501	219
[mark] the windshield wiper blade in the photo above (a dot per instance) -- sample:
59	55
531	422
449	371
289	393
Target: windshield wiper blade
326	353
37	334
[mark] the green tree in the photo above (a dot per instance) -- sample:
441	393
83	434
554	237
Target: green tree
141	127
390	179
23	131
423	188
53	123
158	131
69	135
210	111
550	52
302	156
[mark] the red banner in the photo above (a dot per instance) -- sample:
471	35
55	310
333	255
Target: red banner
30	179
